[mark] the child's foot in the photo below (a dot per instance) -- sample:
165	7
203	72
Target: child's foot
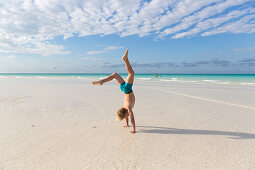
125	56
97	83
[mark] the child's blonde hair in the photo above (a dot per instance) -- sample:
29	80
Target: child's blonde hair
121	114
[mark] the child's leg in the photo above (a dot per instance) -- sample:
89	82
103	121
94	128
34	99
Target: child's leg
130	78
118	78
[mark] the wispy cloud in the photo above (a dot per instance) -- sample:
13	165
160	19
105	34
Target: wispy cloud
113	47
28	26
205	63
247	62
221	62
91	59
141	65
109	48
189	64
215	62
95	52
158	64
244	49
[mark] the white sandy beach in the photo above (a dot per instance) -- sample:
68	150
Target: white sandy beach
61	123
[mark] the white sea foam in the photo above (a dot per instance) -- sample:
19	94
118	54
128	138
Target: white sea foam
172	79
190	81
165	80
82	78
143	78
42	77
224	82
20	77
212	81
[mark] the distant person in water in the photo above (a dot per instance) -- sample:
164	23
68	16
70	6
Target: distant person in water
126	87
156	74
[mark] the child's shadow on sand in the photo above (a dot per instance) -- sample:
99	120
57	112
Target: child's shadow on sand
167	130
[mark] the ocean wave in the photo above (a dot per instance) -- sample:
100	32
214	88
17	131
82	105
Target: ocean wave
102	77
213	81
224	82
42	77
190	81
20	77
143	78
172	79
169	80
82	78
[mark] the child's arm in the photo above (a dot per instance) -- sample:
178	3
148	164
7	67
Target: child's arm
132	120
126	122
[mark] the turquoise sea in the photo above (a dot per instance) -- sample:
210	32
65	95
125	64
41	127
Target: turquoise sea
245	79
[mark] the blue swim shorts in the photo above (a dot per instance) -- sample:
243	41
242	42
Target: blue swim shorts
126	88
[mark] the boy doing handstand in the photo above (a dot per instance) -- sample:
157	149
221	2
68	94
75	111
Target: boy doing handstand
126	87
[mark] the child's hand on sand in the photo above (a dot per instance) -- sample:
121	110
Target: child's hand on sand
133	131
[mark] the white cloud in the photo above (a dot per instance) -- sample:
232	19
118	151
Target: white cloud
31	47
28	25
243	25
109	48
206	19
210	23
113	47
95	52
91	59
244	49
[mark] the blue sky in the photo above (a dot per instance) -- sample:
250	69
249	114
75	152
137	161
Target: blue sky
164	36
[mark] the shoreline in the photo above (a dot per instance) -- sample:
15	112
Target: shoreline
243	80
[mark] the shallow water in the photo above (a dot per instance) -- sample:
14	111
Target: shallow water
240	79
